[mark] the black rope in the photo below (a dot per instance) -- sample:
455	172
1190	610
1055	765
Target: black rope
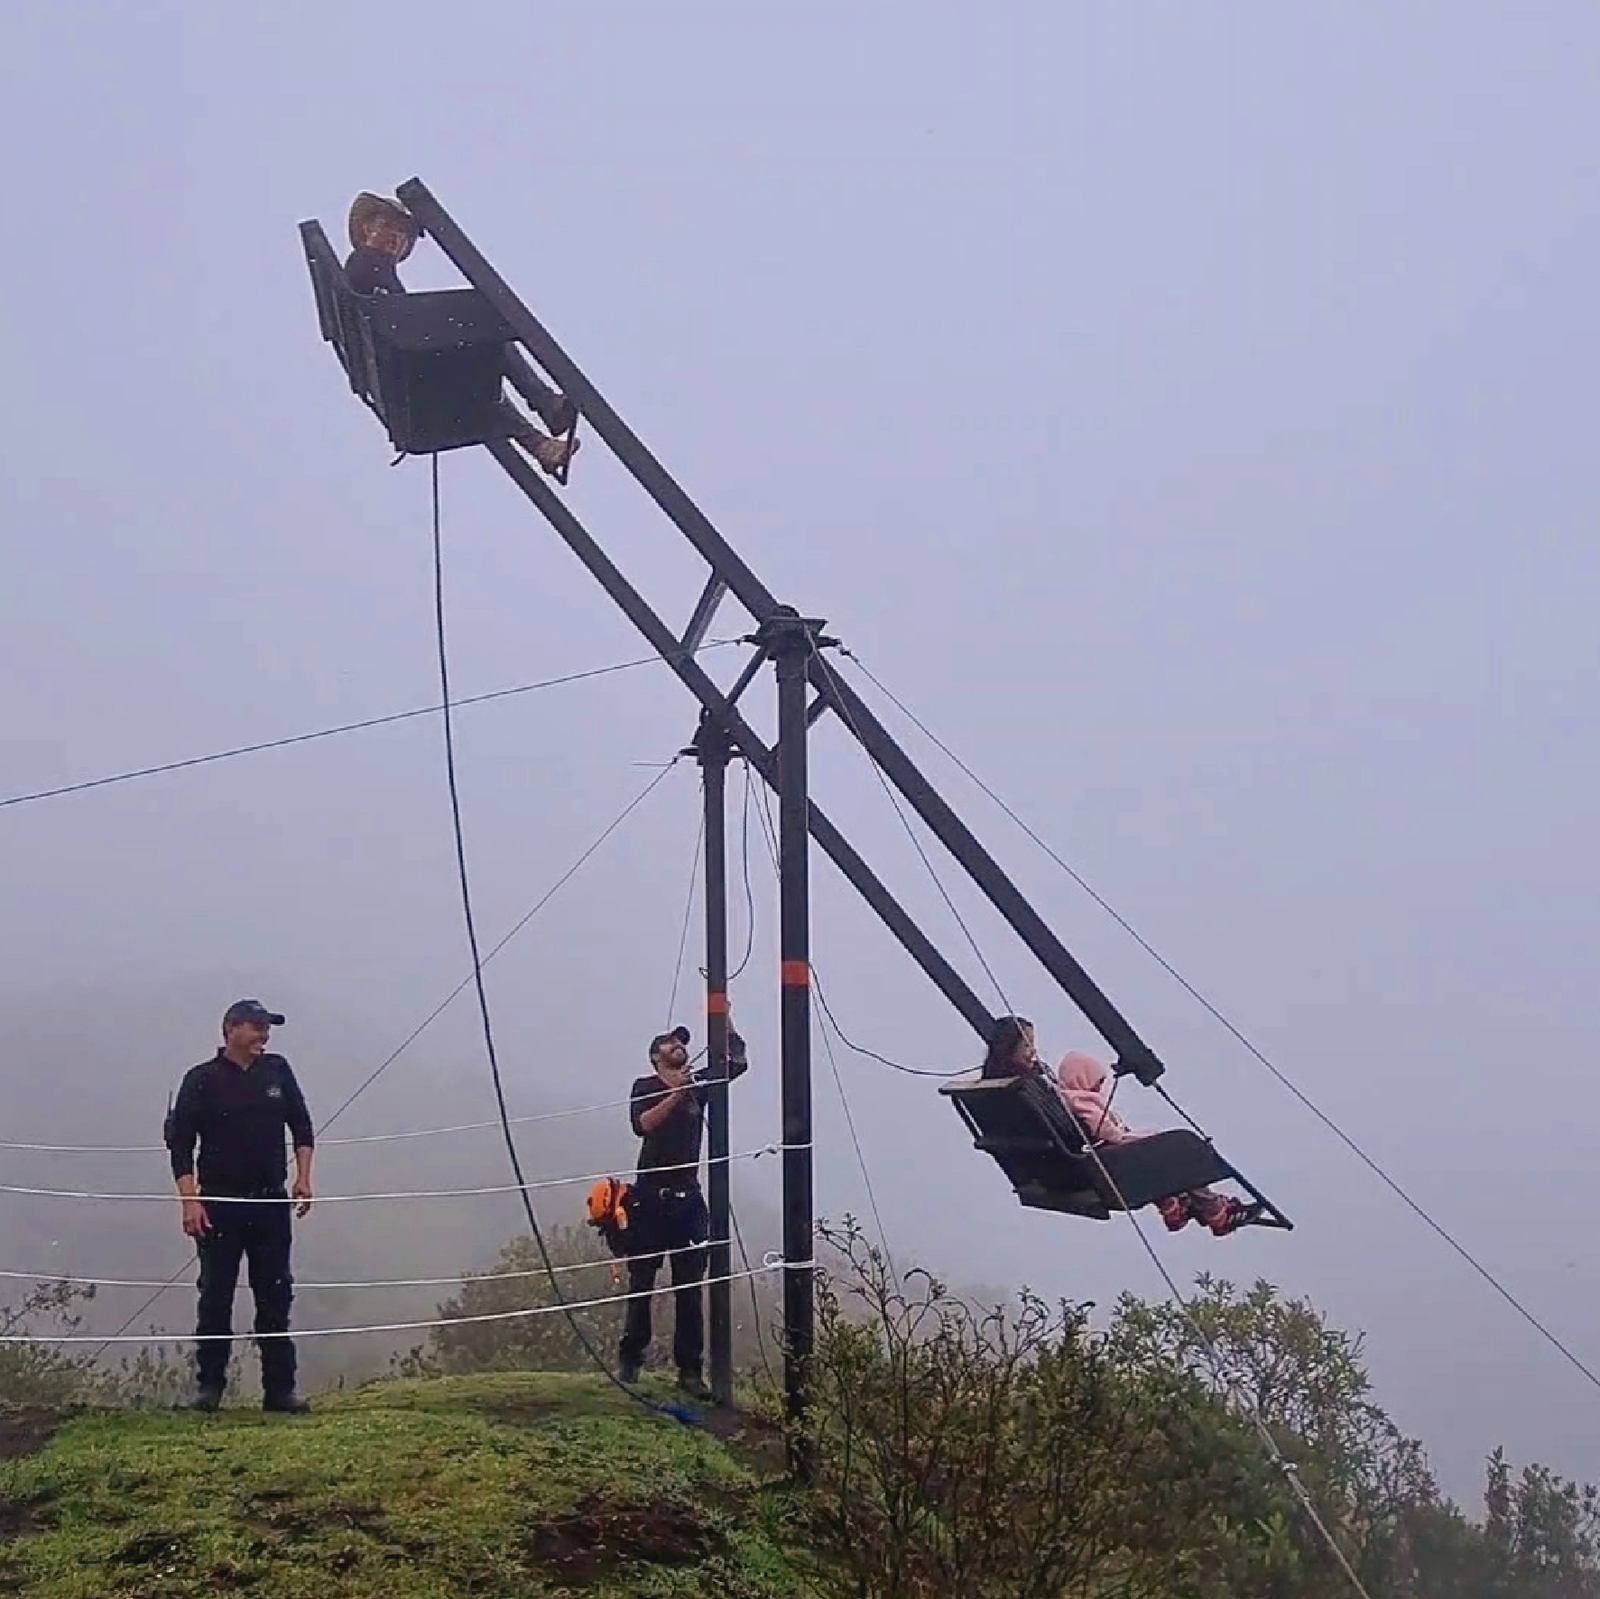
678	1412
1269	1442
822	998
1240	1037
749	894
905	821
755	1298
688	913
343	727
1093	1152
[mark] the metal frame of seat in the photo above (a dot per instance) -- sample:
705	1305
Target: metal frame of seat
1022	1123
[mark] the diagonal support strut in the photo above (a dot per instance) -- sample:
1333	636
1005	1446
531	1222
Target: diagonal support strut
727	566
744	738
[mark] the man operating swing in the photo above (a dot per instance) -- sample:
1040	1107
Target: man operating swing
668	1216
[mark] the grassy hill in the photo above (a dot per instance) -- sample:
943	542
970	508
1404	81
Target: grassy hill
518	1485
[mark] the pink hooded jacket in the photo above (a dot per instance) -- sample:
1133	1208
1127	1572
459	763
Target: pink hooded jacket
1084	1084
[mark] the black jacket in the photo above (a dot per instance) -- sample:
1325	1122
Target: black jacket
238	1115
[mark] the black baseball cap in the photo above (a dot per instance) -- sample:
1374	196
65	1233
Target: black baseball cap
678	1035
250	1010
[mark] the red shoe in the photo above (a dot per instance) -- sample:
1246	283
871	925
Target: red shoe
1229	1217
1175	1212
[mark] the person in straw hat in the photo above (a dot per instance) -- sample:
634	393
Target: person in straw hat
382	234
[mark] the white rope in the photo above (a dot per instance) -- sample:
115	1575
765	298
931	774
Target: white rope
381	1282
768	1265
326	1143
421	1193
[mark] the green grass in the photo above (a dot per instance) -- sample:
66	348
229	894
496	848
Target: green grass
522	1485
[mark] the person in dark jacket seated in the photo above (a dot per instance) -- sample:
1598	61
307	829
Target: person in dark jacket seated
1082	1084
383	233
1013	1050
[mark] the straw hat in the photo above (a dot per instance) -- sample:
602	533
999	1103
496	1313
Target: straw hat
368	208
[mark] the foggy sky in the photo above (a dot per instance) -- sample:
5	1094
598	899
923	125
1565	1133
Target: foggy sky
1190	413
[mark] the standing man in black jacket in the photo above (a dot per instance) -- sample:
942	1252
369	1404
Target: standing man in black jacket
667	1212
238	1105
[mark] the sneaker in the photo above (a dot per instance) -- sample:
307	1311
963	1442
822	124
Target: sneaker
554	455
1175	1212
206	1400
289	1404
1229	1217
692	1386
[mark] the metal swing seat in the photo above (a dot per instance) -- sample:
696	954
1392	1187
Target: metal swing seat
429	363
1022	1124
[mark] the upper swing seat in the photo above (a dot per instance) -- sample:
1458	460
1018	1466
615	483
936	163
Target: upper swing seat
429	364
1035	1141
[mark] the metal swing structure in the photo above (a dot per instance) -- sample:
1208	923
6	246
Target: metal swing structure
429	366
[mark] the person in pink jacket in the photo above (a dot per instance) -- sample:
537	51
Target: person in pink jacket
1083	1083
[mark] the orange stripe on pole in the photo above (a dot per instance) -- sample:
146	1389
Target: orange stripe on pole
795	974
716	1004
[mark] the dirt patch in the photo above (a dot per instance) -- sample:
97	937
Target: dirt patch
525	1412
752	1440
19	1517
159	1546
598	1535
275	1511
24	1431
228	1574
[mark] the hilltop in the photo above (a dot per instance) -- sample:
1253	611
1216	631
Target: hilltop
516	1484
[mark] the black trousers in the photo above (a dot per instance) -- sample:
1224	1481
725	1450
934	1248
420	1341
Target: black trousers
661	1220
261	1237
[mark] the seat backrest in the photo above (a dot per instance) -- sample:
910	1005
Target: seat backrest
1022	1124
1021	1101
338	316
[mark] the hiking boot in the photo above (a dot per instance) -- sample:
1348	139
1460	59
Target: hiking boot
289	1404
206	1400
692	1386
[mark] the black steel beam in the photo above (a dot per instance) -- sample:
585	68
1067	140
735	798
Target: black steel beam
747	676
790	641
829	839
711	747
705	611
1133	1054
627	446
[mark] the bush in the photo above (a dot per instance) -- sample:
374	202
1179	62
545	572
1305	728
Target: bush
528	1331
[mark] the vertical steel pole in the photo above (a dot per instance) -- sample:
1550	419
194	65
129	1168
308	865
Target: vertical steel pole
711	745
789	641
